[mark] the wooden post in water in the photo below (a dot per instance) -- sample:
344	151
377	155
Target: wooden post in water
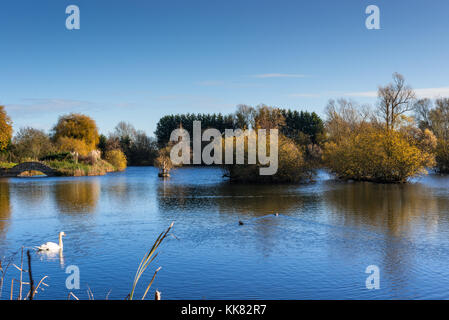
157	295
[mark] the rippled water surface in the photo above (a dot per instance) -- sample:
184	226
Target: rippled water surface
319	246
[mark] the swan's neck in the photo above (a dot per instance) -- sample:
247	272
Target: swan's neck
60	242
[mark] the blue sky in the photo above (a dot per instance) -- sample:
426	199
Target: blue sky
139	60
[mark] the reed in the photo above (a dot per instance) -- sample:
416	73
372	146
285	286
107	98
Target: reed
146	260
20	281
32	290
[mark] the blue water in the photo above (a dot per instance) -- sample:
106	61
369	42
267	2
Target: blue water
319	246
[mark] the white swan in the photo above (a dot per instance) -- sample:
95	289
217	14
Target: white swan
51	246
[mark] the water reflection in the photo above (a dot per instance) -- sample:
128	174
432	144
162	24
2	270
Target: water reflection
77	196
5	206
393	208
52	256
30	191
250	201
405	220
318	247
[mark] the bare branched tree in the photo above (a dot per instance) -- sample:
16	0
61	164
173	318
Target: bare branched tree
423	109
395	99
345	116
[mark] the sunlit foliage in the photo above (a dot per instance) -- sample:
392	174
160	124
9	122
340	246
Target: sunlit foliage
292	166
163	161
117	158
67	144
436	119
377	155
77	127
5	129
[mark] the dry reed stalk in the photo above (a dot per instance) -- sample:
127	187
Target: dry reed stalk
71	294
146	260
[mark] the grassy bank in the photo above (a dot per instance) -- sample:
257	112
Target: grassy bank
73	169
70	168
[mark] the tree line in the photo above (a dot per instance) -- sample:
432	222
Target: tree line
398	138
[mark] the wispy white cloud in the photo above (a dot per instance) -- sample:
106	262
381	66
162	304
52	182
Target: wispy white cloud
431	93
32	107
43	105
278	75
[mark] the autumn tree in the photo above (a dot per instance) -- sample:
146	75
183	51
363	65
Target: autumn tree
77	146
163	161
77	127
377	155
268	118
435	117
345	116
117	158
31	143
291	164
5	129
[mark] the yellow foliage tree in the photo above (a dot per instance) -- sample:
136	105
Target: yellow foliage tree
78	127
117	158
291	164
377	155
5	129
66	144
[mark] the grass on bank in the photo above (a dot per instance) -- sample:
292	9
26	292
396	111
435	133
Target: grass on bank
7	165
71	168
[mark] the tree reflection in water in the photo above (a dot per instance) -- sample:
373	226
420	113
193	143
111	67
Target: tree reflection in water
394	208
5	206
77	196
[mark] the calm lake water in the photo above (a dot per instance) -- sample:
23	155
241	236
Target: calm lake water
319	246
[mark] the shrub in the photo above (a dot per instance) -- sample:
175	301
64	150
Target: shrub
117	159
163	161
377	155
66	144
292	166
